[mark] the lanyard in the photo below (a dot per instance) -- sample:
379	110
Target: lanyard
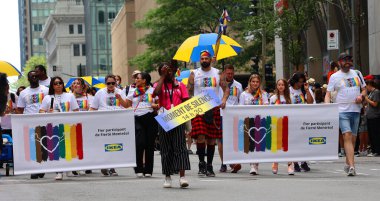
170	93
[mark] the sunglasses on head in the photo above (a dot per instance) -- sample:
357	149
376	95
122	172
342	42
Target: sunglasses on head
111	83
58	83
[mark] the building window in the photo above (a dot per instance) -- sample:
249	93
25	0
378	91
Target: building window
83	49
40	41
76	50
37	27
71	29
80	29
102	41
101	17
111	15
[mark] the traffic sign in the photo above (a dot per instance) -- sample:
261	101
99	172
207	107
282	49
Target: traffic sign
332	39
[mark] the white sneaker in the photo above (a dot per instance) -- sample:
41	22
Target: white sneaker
254	169
59	176
351	172
81	173
139	175
183	182
148	175
168	182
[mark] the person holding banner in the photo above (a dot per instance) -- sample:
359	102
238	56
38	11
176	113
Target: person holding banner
4	90
281	96
350	87
144	104
109	98
30	100
207	128
300	93
254	95
84	101
174	154
235	89
58	100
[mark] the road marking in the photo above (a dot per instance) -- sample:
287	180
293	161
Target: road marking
211	180
374	169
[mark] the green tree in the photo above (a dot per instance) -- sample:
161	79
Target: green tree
30	64
174	21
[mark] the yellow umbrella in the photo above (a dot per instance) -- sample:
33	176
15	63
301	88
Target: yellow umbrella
9	69
192	47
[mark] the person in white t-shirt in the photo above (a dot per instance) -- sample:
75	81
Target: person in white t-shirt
42	75
30	100
300	93
109	98
350	87
58	100
4	90
235	89
144	103
281	96
11	107
254	95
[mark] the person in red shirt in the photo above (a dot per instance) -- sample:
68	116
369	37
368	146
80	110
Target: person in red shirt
334	67
174	154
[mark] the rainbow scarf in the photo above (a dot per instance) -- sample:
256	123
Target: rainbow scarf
257	100
140	90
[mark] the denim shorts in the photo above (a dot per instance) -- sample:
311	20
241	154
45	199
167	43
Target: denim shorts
349	122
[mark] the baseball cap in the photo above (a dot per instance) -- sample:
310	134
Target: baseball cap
344	55
369	77
136	72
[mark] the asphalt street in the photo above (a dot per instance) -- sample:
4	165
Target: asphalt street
325	181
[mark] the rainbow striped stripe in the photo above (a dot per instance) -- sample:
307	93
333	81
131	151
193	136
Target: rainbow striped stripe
148	98
53	142
209	82
234	91
37	98
260	134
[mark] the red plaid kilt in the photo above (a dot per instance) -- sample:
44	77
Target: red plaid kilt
200	127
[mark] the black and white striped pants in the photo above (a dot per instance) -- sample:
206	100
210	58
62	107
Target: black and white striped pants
174	155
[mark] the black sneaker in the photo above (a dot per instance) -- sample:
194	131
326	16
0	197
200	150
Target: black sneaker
75	173
202	168
297	167
34	176
41	175
88	171
223	168
305	167
210	171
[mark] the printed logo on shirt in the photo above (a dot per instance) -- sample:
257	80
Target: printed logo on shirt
148	98
65	107
299	99
36	98
83	104
256	101
351	82
112	101
234	91
209	82
278	102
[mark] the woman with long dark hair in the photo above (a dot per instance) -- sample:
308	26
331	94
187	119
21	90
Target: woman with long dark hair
300	93
58	100
373	116
142	100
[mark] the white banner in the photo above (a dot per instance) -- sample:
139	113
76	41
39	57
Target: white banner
59	142
280	133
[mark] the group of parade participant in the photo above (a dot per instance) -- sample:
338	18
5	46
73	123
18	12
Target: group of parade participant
147	100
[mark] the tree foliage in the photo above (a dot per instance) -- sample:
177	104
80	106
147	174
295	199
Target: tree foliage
174	21
30	64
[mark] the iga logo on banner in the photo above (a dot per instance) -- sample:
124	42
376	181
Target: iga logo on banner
317	140
113	147
258	134
53	142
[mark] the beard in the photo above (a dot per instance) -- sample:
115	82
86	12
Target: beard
205	64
